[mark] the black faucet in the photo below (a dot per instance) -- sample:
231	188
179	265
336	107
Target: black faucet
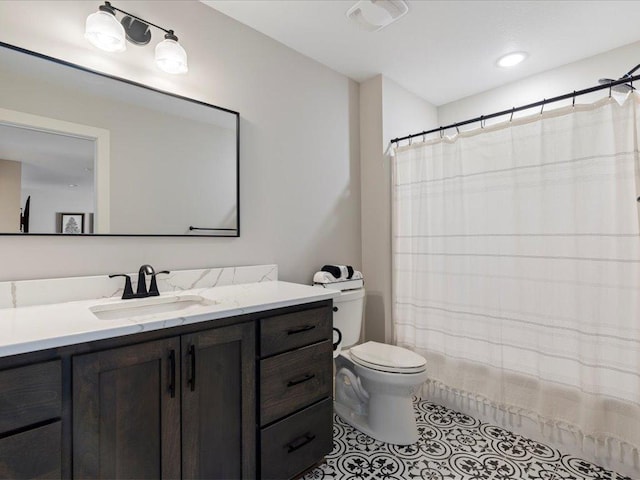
142	280
142	284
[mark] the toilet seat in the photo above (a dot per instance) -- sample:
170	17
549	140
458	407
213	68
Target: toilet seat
387	358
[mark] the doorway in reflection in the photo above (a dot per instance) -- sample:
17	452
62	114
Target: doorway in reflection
44	176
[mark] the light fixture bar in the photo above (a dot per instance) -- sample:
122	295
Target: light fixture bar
108	4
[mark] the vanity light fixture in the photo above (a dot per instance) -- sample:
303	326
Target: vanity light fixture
511	59
104	31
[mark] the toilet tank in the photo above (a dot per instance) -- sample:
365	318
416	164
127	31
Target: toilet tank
348	316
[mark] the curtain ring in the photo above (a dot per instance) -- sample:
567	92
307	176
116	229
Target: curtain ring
410	140
457	130
481	121
512	111
424	137
610	84
441	132
544	100
573	103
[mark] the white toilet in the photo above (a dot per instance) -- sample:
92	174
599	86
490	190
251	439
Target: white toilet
374	381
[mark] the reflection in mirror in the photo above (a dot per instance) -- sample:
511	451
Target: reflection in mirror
54	172
118	158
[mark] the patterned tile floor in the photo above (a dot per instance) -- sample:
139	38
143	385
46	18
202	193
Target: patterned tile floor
452	446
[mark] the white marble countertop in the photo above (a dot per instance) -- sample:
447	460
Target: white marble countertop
32	328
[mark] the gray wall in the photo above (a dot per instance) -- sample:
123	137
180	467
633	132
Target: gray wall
386	111
300	177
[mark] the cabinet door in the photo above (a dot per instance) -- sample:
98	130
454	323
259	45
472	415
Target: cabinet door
218	403
126	412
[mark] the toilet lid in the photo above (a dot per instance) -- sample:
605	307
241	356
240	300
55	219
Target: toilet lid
387	358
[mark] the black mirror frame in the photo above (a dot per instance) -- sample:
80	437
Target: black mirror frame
131	82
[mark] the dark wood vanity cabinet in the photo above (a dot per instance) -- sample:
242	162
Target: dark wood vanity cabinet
30	426
171	408
296	383
239	397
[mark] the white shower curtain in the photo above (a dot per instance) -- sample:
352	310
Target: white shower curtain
516	267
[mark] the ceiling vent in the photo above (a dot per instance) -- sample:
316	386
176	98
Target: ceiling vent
373	15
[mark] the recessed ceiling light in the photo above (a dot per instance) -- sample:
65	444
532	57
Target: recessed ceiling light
511	59
72	185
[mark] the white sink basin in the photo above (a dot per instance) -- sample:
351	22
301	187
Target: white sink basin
147	306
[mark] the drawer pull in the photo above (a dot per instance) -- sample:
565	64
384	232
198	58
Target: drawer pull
300	442
306	328
305	378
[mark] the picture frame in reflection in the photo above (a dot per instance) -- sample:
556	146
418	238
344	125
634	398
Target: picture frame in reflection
70	223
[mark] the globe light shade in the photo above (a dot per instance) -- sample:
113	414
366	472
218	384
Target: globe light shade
105	32
170	56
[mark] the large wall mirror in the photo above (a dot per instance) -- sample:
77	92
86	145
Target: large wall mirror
84	153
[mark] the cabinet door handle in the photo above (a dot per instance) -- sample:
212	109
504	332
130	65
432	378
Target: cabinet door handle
298	381
306	328
172	373
300	442
192	378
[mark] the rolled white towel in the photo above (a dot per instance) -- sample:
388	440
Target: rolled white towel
326	277
323	277
344	272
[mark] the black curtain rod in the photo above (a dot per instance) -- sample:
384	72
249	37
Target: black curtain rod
513	110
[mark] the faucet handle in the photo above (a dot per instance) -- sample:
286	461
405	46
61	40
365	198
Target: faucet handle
153	288
128	290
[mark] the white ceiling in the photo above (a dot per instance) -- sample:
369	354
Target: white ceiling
48	159
445	50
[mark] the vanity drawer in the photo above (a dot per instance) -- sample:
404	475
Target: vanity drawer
30	395
32	454
298	442
291	381
292	330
